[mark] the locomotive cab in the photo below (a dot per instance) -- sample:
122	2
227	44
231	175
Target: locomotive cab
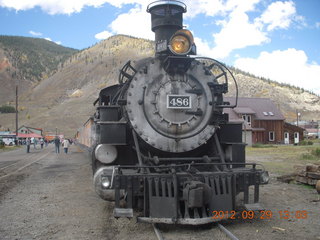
164	145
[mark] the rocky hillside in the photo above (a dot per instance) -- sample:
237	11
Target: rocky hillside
288	99
64	100
27	61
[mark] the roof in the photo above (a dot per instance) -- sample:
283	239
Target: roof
312	130
289	126
29	135
23	126
244	110
5	133
261	108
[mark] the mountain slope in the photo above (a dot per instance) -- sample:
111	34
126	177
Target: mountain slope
27	61
64	100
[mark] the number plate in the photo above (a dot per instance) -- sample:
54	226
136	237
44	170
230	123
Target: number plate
179	101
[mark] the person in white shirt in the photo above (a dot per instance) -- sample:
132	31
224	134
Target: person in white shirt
65	145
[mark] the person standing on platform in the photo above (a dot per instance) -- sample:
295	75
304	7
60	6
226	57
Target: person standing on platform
33	142
41	142
28	143
57	144
65	145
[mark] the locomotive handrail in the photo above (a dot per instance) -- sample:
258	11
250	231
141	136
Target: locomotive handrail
123	72
124	84
234	80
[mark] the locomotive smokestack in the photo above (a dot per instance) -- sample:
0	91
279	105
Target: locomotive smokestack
166	18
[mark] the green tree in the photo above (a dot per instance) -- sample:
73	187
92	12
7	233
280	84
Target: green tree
7	109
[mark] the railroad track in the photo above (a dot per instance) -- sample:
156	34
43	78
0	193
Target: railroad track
160	236
12	167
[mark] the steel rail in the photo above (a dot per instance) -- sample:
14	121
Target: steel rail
157	232
227	232
10	165
24	166
15	162
221	227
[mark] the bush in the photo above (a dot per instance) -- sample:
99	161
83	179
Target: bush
307	156
316	152
260	145
7	109
313	155
1	144
305	142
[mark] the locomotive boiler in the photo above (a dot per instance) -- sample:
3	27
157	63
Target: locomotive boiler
164	149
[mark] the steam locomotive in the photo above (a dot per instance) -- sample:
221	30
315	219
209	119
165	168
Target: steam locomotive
164	149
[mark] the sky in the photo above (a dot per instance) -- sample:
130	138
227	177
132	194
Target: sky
274	39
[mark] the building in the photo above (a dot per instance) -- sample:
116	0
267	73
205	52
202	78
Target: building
262	121
84	135
293	134
312	128
28	130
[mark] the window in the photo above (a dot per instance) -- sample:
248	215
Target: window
271	136
271	113
265	113
247	119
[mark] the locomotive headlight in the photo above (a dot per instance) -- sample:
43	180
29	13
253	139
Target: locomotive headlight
105	182
181	42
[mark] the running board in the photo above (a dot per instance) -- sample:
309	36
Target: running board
123	212
253	207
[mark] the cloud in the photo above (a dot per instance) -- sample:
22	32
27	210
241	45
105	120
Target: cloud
207	7
35	33
278	15
237	33
288	66
317	24
103	35
218	7
62	6
49	39
134	23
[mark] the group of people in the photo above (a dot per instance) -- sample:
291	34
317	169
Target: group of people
34	142
57	142
65	144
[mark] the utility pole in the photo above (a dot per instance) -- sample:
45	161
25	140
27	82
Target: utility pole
298	115
17	113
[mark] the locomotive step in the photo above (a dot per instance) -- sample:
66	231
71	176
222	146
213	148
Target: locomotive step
123	212
254	207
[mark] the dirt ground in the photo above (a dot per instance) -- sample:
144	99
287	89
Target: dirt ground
54	199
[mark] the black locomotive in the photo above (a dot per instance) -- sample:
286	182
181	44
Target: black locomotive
164	146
